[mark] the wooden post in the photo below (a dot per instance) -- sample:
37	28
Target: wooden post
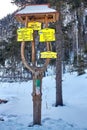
33	51
37	98
37	87
46	25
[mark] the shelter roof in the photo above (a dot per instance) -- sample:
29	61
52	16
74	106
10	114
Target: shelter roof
37	13
31	9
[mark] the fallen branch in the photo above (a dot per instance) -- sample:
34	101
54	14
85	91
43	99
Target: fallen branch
3	101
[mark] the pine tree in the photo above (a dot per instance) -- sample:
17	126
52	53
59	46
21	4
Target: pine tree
59	98
22	2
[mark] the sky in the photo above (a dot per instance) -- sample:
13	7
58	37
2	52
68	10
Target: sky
6	7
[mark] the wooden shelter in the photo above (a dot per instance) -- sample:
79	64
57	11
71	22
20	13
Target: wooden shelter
43	14
37	13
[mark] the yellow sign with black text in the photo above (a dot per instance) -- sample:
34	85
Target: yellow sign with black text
48	54
24	34
34	25
46	35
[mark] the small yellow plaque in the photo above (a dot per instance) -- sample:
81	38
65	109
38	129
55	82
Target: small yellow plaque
35	25
46	35
24	34
49	54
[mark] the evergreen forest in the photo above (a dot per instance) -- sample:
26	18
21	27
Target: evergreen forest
71	40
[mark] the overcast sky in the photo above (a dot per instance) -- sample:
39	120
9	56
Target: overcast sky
6	7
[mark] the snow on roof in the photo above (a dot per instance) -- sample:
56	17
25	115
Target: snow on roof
36	9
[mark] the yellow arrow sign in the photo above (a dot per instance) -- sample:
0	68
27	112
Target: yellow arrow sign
34	25
48	54
24	34
46	35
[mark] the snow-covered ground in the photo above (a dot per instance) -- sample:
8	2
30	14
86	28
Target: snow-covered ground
17	113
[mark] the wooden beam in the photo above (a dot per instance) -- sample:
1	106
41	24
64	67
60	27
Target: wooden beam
21	19
52	17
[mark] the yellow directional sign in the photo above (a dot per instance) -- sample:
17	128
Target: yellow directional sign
46	35
34	25
49	54
24	34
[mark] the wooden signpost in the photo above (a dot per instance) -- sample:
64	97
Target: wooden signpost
47	35
32	16
34	25
48	54
24	34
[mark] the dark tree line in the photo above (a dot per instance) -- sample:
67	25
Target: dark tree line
66	35
24	2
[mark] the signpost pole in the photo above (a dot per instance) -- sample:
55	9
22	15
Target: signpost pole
37	98
37	87
37	90
46	25
33	50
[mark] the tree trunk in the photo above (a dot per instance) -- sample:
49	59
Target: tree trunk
59	99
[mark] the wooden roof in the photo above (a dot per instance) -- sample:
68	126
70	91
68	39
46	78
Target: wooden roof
37	13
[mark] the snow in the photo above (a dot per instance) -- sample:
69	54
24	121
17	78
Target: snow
17	113
36	9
